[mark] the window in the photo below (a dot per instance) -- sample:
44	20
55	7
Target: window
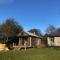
52	39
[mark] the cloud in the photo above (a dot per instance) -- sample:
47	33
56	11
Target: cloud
6	1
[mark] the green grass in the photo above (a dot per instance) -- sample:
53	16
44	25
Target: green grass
32	54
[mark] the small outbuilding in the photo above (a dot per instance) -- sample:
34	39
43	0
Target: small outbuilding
54	39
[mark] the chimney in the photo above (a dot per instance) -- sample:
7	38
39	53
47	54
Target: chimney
34	33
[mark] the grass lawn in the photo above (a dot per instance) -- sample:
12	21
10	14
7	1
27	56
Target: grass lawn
32	54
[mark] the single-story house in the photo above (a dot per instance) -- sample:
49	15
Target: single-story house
28	39
24	39
54	39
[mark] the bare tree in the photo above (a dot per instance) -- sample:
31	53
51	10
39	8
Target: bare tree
50	29
36	31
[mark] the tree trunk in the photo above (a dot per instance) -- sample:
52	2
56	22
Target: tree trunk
7	39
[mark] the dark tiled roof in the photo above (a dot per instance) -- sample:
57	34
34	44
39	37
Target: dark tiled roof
55	33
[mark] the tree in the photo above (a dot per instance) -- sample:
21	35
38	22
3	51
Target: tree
10	28
1	36
36	31
50	29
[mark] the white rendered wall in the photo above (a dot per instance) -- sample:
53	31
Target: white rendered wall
57	41
48	41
